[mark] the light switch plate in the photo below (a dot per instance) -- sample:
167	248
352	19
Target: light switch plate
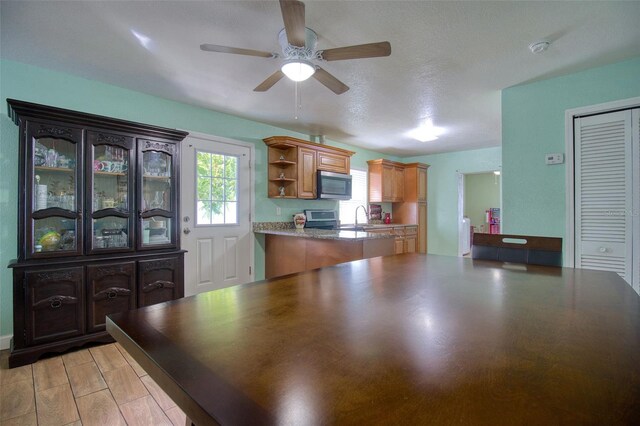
278	211
557	158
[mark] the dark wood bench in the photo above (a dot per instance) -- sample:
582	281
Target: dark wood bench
518	249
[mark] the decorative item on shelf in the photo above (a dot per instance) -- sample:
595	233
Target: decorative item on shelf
158	231
41	195
281	175
157	165
40	155
282	158
50	241
108	203
281	189
52	158
387	218
68	240
299	219
63	162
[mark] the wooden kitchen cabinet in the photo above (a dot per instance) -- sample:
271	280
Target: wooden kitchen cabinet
413	208
307	173
398	184
293	164
332	162
415	182
386	181
98	197
422	227
282	171
410	239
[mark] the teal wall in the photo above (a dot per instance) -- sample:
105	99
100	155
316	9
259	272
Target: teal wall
33	84
533	124
481	192
442	197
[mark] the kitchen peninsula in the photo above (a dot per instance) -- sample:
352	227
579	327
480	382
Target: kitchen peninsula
296	250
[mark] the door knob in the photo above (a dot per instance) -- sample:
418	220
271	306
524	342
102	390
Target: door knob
186	231
186	219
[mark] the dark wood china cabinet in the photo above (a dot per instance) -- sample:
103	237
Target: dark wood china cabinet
97	228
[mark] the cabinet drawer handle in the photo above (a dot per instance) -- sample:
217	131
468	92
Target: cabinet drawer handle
112	295
56	303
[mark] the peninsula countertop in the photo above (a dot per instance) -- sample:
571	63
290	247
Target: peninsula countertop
347	232
325	234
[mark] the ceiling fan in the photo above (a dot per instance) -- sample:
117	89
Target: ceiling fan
298	45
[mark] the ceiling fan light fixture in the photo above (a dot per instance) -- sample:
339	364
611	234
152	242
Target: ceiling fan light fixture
298	69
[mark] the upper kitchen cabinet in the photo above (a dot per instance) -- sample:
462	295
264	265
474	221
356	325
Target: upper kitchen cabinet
415	182
293	165
386	181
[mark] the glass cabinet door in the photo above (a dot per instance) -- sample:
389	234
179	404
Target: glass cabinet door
157	194
53	185
110	178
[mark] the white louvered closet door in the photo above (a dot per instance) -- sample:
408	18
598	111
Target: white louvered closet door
604	193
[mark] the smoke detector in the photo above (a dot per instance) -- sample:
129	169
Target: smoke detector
539	47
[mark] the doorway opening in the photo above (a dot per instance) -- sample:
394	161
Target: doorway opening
479	206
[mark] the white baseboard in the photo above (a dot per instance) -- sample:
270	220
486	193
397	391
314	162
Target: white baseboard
5	341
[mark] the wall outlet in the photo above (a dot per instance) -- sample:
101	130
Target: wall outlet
554	158
278	211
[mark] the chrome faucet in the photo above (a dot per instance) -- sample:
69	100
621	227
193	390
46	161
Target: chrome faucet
366	213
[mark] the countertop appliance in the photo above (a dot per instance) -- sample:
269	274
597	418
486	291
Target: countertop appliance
334	186
321	219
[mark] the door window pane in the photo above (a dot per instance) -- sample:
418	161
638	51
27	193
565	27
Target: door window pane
216	188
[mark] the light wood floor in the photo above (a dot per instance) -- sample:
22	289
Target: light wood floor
102	385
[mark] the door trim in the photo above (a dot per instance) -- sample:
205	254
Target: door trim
252	192
569	116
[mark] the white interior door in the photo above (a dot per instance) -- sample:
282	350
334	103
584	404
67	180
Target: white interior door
604	193
216	188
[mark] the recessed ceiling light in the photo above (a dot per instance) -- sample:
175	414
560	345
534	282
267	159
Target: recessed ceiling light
426	132
539	47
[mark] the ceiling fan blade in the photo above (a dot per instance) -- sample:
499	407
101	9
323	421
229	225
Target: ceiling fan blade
335	85
293	17
236	50
370	50
269	82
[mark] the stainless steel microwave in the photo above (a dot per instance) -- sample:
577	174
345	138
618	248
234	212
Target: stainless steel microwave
334	186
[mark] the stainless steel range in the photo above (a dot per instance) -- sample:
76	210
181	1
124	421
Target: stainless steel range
321	219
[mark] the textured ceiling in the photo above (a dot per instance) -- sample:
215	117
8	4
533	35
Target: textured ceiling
449	59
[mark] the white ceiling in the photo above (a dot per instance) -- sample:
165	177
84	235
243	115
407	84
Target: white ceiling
448	63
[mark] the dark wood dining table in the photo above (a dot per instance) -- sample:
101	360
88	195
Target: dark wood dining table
399	340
